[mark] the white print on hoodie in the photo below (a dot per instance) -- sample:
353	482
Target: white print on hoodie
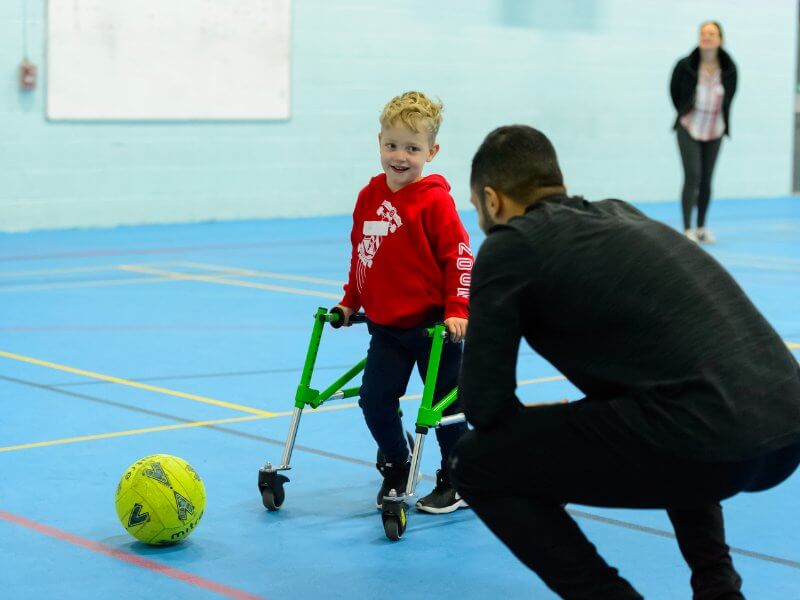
374	232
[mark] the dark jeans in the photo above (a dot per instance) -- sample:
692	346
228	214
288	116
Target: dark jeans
698	160
391	357
518	476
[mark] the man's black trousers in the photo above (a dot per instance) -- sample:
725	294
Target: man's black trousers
518	477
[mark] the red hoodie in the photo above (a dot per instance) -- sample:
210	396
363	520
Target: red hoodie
411	254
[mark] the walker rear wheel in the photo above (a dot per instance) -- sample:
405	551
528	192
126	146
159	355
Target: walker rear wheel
394	521
271	500
270	484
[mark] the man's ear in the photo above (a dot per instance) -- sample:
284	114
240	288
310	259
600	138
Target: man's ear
432	152
494	203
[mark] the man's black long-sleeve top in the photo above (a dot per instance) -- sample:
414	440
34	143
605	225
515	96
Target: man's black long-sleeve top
635	314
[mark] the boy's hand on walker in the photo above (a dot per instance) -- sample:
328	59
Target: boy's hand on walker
457	328
347	312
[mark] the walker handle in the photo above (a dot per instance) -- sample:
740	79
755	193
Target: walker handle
336	317
429	331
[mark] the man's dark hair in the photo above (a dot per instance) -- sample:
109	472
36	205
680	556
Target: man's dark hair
517	161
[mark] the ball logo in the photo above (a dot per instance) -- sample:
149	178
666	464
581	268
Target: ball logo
193	472
184	506
157	473
137	516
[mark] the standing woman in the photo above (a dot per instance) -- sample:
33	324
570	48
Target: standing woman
702	87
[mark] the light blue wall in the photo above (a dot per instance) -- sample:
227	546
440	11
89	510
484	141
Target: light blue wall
592	74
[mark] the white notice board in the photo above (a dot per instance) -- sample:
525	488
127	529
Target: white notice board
168	59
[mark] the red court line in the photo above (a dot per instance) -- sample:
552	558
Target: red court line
128	557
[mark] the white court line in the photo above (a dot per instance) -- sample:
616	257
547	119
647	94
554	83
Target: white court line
756	265
63	271
757	257
229	271
82	284
541	380
226	281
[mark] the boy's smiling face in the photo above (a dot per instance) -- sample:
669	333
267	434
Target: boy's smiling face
404	154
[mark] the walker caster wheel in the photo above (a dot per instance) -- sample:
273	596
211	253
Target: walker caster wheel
394	526
268	499
270	484
394	517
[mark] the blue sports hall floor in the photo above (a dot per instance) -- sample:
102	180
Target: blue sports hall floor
189	340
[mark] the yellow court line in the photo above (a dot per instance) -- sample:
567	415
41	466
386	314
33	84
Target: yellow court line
255	273
134	384
116	434
226	281
262	415
158	428
274	415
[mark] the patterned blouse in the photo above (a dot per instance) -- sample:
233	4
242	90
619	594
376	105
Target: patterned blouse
704	122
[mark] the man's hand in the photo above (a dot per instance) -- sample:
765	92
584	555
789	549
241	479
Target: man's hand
347	312
457	328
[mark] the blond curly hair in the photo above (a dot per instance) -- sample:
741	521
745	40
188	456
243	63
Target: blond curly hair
415	111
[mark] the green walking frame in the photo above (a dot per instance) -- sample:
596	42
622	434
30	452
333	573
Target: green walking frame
394	511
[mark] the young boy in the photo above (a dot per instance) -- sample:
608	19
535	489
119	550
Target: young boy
410	268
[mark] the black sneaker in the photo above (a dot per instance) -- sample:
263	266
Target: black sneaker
395	477
443	499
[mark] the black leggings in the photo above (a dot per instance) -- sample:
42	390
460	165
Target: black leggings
390	360
518	476
698	159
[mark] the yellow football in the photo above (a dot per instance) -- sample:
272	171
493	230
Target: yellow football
160	499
